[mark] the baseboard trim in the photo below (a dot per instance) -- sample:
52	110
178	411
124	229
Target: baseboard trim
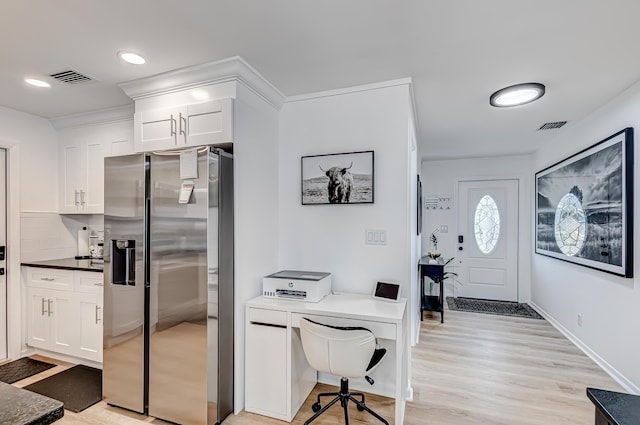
602	363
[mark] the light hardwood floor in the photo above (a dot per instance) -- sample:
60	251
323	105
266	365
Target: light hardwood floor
473	369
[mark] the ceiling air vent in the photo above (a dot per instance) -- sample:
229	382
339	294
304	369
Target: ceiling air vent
552	125
71	77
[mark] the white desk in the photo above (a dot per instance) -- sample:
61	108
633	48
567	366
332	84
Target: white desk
278	378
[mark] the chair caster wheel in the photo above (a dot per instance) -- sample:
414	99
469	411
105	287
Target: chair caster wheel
316	407
360	408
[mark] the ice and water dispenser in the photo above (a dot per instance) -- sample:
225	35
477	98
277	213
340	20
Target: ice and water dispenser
123	262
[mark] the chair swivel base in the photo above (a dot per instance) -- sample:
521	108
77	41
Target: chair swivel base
343	397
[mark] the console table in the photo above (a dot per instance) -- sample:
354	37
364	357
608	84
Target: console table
431	302
614	408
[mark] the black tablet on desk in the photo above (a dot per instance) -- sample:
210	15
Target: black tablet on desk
387	291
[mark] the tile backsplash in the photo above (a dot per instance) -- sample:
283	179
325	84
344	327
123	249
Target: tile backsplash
47	236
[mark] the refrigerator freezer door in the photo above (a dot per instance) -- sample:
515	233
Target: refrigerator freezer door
123	364
178	293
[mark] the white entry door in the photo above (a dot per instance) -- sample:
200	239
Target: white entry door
488	239
3	262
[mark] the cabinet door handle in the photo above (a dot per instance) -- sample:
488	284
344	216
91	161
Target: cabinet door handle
183	130
173	125
82	197
49	305
97	315
48	279
77	197
43	310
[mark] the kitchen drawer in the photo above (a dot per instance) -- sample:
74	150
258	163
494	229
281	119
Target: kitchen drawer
269	317
50	278
88	282
379	329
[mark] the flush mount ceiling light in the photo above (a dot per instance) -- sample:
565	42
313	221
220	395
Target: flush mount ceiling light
131	57
36	83
516	95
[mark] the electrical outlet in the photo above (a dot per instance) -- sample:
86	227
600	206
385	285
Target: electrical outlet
579	319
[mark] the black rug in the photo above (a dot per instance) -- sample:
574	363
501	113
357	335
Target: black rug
503	308
22	368
78	387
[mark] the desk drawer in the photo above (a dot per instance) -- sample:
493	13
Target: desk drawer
269	317
379	329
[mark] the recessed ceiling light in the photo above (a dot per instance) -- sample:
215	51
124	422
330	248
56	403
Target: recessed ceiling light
516	95
131	57
36	83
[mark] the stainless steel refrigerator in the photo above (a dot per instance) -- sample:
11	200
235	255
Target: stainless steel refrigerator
168	284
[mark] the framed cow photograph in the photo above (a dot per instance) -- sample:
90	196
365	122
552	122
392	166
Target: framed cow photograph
339	178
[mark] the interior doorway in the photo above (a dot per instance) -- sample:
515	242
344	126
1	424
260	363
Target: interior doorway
3	262
488	239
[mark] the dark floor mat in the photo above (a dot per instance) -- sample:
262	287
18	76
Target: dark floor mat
78	387
22	368
503	308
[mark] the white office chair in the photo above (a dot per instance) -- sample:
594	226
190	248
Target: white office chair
348	352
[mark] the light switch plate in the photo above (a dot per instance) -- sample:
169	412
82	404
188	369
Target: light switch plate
376	237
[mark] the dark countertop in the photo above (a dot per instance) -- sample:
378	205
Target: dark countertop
618	408
66	264
22	407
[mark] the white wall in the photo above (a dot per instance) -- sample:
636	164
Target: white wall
38	142
609	305
441	178
331	238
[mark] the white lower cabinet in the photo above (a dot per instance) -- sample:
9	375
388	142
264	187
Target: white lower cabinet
90	338
66	321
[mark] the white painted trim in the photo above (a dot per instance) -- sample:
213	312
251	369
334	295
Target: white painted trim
14	287
229	69
38	212
348	90
99	117
604	365
62	357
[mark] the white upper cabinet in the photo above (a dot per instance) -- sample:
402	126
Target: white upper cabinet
195	124
82	153
82	169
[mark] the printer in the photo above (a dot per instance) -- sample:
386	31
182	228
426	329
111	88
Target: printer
297	285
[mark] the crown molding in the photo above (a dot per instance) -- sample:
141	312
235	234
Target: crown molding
355	89
230	69
101	116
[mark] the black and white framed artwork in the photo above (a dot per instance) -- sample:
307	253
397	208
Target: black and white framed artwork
339	178
584	207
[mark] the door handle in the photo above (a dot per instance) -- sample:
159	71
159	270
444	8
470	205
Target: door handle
48	279
77	197
82	197
97	315
43	310
49	313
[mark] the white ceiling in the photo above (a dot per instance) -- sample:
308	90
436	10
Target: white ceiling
457	51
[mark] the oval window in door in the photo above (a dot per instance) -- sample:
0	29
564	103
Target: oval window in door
486	224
